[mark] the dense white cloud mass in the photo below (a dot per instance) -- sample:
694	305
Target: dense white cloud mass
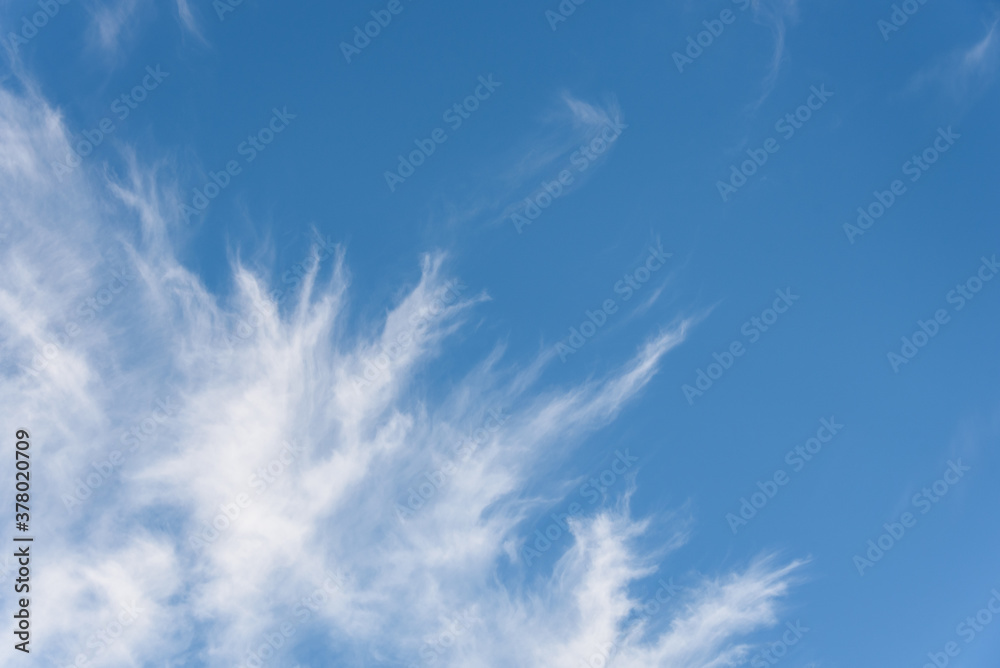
217	477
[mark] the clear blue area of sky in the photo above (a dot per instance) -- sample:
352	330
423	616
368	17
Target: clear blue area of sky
825	358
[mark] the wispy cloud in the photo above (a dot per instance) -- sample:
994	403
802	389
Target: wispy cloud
188	20
115	21
776	15
292	455
965	72
560	143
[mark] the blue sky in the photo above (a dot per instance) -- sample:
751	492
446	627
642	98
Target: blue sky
509	334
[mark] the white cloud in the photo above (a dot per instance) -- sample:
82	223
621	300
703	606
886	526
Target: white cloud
308	430
776	15
564	129
188	20
965	72
112	20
